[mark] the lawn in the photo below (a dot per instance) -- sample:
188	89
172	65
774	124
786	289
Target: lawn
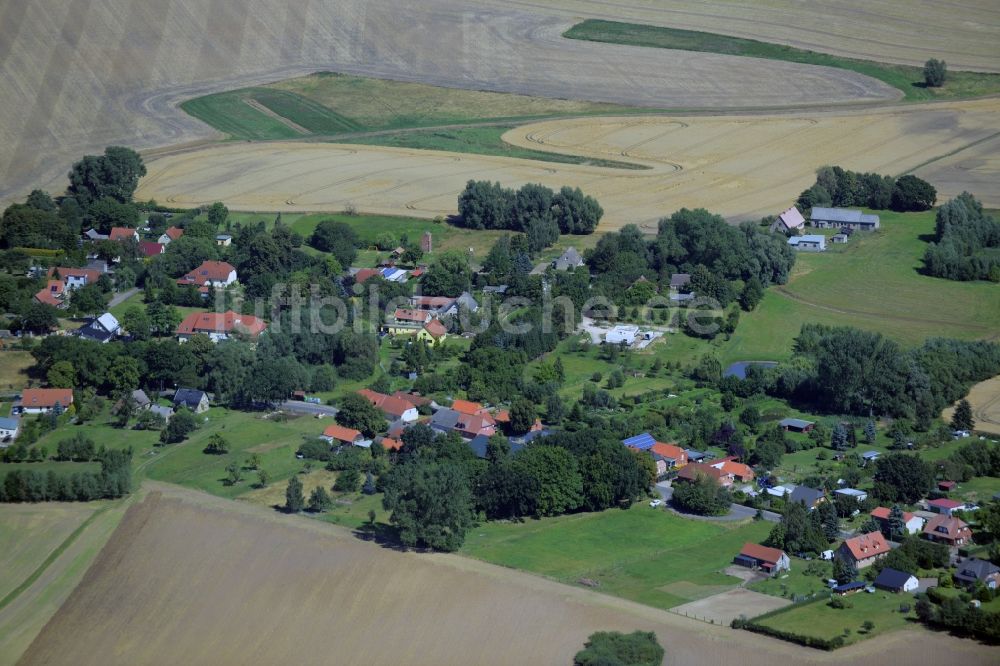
275	442
657	558
977	489
906	78
818	619
14	366
796	582
873	283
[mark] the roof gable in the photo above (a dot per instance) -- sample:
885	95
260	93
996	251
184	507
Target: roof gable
868	545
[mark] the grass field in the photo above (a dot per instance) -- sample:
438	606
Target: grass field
328	104
908	79
872	283
818	619
14	366
795	582
657	558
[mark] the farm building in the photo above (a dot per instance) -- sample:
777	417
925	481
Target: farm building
894	580
839	238
849	588
223	240
339	435
796	425
41	400
948	530
622	333
947	486
911	522
808	243
790	222
864	550
755	556
642	442
827	218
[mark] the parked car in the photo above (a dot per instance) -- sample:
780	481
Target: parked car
655	503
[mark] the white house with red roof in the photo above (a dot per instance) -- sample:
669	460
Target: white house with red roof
123	234
945	506
394	408
339	435
220	325
912	523
42	400
218	274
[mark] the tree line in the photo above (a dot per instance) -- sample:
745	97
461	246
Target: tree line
535	210
113	480
839	187
966	242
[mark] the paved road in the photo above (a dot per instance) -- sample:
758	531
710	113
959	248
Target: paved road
122	297
299	407
736	511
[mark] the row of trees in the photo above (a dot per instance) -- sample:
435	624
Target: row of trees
113	480
535	210
966	242
835	186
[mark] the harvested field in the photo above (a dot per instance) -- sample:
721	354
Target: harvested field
725	607
292	590
985	400
739	166
78	76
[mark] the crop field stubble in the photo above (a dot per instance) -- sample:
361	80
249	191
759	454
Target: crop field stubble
286	589
78	76
985	400
739	166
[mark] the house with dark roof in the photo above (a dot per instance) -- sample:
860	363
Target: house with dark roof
849	588
102	329
809	497
193	399
568	259
445	420
640	442
796	425
975	570
679	282
9	429
894	580
824	218
864	550
769	560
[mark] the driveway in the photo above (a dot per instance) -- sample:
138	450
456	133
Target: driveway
736	511
119	298
312	409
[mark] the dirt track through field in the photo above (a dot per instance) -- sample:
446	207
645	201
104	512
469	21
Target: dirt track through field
77	76
985	400
190	578
743	167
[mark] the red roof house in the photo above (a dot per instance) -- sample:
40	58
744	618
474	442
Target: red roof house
52	294
173	233
911	522
75	277
220	325
468	407
151	249
738	471
948	530
38	400
755	556
945	506
123	233
395	409
436	329
365	274
864	549
339	434
215	273
692	471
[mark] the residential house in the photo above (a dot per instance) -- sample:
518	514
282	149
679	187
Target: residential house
433	331
769	560
435	305
390	443
220	325
395	409
808	497
945	506
150	249
123	234
42	400
858	495
567	260
622	333
94	235
469	407
103	329
54	294
140	399
407	322
808	243
912	523
790	221
730	467
975	570
693	471
471	425
825	218
74	278
445	420
218	274
796	425
193	399
9	429
338	435
171	234
362	275
223	240
164	412
670	455
948	530
415	398
641	442
679	283
895	580
864	550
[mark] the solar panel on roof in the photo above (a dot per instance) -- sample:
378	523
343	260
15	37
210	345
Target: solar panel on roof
643	441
